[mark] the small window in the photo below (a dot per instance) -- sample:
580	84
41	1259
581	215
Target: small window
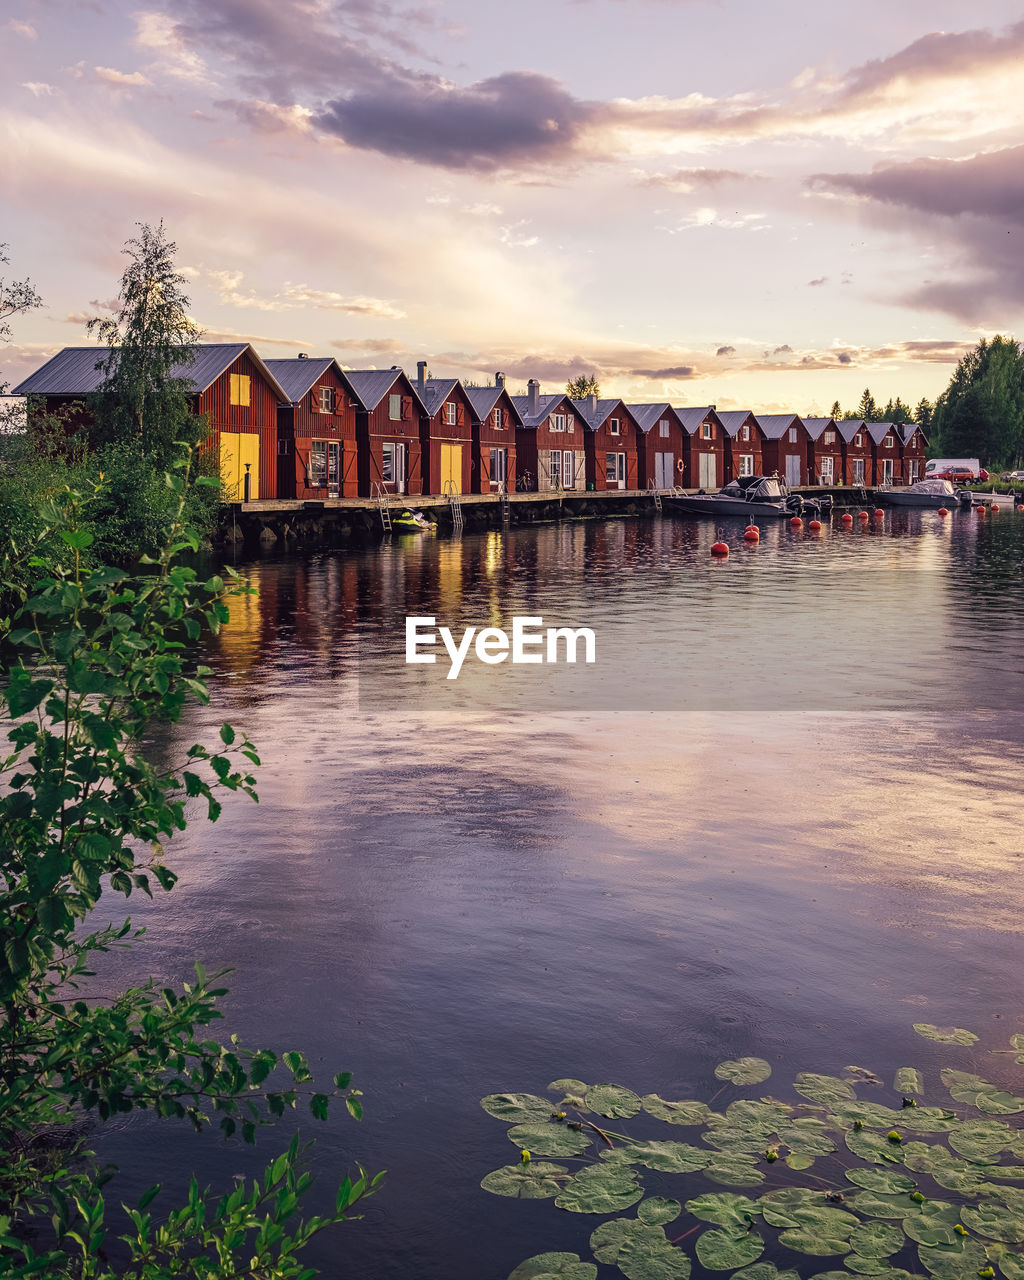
326	399
499	424
240	388
663	428
318	464
451	413
284	445
830	437
395	408
558	421
499	465
745	435
889	442
858	471
858	440
792	435
707	430
613	426
387	467
746	464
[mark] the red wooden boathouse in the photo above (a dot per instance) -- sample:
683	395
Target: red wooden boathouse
387	431
550	448
858	461
886	440
495	419
610	438
824	450
705	458
662	445
744	448
446	434
913	445
785	447
317	452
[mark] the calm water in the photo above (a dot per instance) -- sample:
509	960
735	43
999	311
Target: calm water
780	816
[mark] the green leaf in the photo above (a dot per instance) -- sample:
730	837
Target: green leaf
669	1157
655	1211
723	1251
569	1086
884	1181
77	539
686	1112
767	1271
934	1224
813	1242
872	1115
601	1189
640	1251
517	1108
994	1222
877	1240
537	1180
874	1204
725	1209
875	1147
1011	1264
960	1261
865	1266
830	1091
945	1035
227	734
734	1169
549	1139
908	1080
612	1100
743	1070
554	1266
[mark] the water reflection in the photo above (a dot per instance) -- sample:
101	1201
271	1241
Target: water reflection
453	898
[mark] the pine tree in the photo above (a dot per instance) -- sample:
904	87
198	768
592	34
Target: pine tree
897	411
835	412
923	414
981	412
867	410
583	386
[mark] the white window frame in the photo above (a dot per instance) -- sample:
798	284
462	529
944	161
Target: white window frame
858	470
395	408
746	464
792	435
707	431
558	422
613	426
326	400
451	413
316	471
745	434
498	465
827	468
555	468
858	440
889	442
663	428
498	424
830	437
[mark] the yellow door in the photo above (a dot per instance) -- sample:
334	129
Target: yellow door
451	468
236	450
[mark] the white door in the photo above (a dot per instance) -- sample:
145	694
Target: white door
792	468
615	470
826	470
707	476
555	469
663	471
887	471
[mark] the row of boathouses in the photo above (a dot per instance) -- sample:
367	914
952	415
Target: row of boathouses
304	428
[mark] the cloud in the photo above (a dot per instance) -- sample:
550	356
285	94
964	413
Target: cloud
120	79
293	296
38	88
685	180
844	357
257	340
819	281
726	351
22	29
706	216
158	34
677	371
378	346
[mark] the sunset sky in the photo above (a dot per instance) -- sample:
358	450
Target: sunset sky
764	205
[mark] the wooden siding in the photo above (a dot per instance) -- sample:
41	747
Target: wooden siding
913	451
736	447
299	425
534	444
377	428
598	444
435	432
777	451
822	448
860	452
258	417
881	453
714	447
652	442
486	436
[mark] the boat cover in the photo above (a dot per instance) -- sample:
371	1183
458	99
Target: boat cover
753	489
940	488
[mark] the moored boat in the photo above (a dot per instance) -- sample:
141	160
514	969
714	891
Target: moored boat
750	496
925	493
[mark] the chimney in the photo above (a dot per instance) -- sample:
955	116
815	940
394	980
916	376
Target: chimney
303	355
712	406
499	379
421	375
593	402
533	391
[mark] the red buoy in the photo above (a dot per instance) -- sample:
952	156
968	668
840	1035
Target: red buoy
879	512
719	549
752	533
862	515
994	506
847	518
943	511
796	522
981	509
815	526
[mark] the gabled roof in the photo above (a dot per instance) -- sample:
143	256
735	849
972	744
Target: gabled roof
733	419
483	400
816	427
298	374
372	385
73	372
545	405
848	427
596	414
775	425
907	429
434	392
879	430
646	415
692	418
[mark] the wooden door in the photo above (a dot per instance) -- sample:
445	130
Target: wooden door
708	472
451	468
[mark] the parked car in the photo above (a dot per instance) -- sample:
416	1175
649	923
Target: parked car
1013	475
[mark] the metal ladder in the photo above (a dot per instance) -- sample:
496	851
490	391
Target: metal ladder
506	506
381	494
655	494
451	492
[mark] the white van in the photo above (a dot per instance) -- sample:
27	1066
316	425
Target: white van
939	466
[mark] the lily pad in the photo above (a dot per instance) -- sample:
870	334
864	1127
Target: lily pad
908	1080
768	1271
734	1169
872	1115
964	1178
686	1112
960	1261
639	1250
981	1139
613	1100
865	1266
743	1070
1011	1265
517	1108
723	1251
926	1157
600	1188
657	1210
875	1147
935	1223
669	1157
534	1181
873	1204
796	1160
945	1035
763	1114
814	1242
575	1087
994	1222
554	1266
752	1138
830	1091
791	1197
549	1139
965	1086
884	1181
928	1120
806	1136
724	1209
1000	1103
820	1218
877	1240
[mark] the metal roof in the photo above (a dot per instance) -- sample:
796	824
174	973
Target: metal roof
775	425
879	430
73	372
372	385
692	418
298	374
907	429
816	427
545	405
595	415
483	400
733	419
646	415
848	427
434	392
